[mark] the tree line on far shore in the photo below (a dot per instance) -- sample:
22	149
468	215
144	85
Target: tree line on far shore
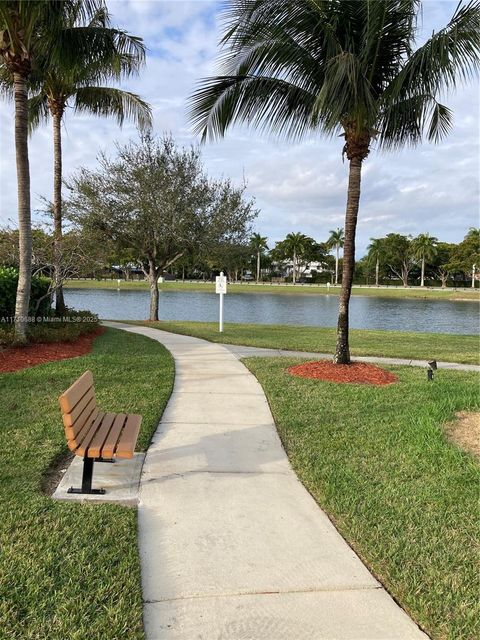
392	260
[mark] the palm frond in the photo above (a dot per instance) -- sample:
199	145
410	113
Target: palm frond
107	101
450	55
270	104
38	111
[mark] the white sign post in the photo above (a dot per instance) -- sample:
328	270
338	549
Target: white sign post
221	289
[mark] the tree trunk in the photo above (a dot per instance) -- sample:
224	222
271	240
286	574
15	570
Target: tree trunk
57	213
405	276
336	266
294	266
24	216
153	279
258	266
377	268
342	352
422	279
473	275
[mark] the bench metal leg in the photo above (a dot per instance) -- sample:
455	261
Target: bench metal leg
87	479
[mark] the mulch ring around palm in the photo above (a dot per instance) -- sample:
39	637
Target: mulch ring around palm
354	373
16	358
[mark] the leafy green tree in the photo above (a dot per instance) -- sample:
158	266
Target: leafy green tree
441	262
466	255
65	83
336	241
399	255
155	199
348	67
424	248
376	252
259	245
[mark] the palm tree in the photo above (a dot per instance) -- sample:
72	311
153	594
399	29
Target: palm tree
342	66
293	246
55	87
258	244
336	241
424	248
32	31
376	252
26	28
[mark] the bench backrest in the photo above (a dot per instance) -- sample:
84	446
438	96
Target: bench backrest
79	407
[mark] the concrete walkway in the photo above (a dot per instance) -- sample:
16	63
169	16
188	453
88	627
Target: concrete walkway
232	546
241	351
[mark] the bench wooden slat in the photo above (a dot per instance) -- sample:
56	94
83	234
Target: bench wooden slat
75	442
110	444
84	447
75	392
98	441
128	437
69	419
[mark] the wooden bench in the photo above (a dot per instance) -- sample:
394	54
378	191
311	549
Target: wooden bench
92	434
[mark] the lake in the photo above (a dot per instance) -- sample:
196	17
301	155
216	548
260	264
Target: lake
431	316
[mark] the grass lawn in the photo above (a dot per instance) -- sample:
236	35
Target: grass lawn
421	346
209	287
375	458
71	571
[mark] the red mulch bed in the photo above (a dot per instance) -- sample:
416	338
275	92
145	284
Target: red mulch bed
16	358
356	373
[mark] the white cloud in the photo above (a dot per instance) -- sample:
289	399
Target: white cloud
298	187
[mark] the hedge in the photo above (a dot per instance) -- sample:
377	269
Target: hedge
8	294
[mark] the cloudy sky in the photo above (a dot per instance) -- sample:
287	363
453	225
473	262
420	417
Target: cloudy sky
297	187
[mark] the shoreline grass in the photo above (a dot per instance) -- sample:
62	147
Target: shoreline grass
460	295
71	570
363	342
377	461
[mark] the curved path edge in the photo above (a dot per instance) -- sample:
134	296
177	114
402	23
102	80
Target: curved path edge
232	546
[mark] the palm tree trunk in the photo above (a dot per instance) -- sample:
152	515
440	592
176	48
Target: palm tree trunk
422	279
258	266
24	216
342	352
336	265
57	214
377	268
473	275
294	266
152	276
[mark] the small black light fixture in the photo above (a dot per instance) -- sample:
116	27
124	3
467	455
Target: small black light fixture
432	366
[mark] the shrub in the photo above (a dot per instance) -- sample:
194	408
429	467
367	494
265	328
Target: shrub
66	329
8	294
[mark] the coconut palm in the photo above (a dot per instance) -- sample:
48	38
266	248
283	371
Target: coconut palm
348	67
424	248
376	253
258	244
26	28
336	241
56	87
32	32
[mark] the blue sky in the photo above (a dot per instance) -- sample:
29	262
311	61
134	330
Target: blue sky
297	187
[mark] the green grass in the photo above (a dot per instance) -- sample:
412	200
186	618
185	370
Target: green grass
71	571
375	458
208	287
421	346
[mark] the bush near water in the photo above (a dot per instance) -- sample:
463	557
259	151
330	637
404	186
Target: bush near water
8	294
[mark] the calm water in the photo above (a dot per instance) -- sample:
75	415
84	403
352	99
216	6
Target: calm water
436	316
